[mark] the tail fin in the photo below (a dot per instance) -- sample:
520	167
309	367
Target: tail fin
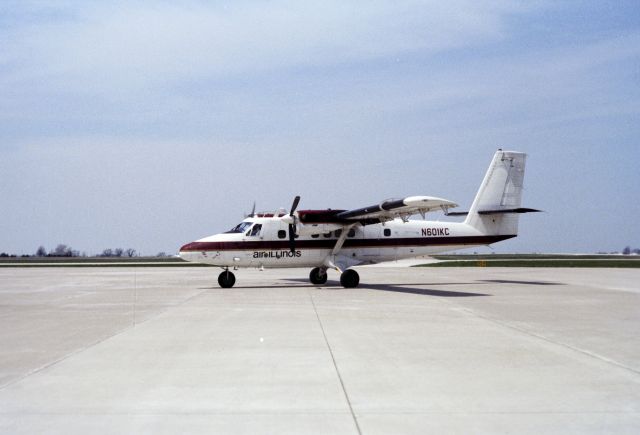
496	208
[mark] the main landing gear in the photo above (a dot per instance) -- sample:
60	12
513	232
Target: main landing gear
226	279
318	276
348	279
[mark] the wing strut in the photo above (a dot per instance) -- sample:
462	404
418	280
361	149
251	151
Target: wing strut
343	236
341	239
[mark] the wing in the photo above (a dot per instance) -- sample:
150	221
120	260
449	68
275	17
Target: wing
394	208
375	214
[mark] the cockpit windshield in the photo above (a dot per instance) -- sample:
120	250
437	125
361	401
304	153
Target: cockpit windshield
240	228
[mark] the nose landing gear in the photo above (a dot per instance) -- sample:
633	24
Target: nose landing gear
226	279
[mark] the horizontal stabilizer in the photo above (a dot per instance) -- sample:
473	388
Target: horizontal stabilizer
509	210
497	211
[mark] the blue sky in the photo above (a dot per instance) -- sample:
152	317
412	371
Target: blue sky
150	124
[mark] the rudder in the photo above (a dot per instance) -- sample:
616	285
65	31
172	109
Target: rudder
496	207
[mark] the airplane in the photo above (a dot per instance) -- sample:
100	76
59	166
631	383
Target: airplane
341	239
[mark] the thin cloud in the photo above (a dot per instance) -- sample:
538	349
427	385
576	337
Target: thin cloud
141	44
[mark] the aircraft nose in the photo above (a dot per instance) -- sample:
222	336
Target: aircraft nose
185	251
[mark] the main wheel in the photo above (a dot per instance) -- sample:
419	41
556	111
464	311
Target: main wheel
349	278
318	276
226	279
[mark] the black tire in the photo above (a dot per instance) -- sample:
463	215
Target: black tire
226	279
349	278
316	277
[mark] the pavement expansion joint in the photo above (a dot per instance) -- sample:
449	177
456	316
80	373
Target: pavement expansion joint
554	342
335	365
135	323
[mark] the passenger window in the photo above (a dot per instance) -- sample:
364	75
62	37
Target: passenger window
315	236
338	232
387	232
327	235
351	233
282	234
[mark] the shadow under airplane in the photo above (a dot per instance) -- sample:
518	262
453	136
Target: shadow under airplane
411	288
401	288
507	281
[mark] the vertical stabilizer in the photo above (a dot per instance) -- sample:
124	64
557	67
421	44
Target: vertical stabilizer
500	191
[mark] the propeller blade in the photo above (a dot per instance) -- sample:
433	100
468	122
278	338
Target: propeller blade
253	212
292	226
292	237
296	200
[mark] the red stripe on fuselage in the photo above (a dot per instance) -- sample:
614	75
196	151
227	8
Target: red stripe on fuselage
349	243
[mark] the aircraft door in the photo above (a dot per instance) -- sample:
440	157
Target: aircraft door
387	250
254	234
362	248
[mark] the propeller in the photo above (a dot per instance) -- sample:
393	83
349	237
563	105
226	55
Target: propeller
292	225
253	211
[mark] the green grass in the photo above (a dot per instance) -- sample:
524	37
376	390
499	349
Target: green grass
96	262
613	263
537	257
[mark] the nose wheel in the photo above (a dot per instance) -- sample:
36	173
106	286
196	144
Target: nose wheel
226	279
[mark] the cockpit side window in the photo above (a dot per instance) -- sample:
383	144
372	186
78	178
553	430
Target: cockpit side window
255	231
241	227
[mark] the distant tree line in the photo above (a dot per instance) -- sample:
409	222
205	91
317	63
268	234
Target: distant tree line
628	251
63	250
118	252
60	251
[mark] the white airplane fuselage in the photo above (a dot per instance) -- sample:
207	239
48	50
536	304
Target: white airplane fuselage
393	240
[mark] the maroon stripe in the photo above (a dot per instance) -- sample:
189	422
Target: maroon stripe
349	243
319	216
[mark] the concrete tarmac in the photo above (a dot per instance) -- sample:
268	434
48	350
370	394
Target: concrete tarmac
412	350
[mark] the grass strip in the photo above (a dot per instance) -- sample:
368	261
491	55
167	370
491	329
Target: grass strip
105	260
536	263
452	257
106	264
